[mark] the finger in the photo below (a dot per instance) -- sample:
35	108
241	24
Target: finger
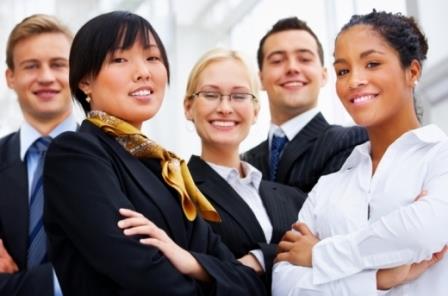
284	246
302	228
281	257
129	213
291	236
134	221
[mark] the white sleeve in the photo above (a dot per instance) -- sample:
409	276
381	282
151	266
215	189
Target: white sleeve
410	234
289	279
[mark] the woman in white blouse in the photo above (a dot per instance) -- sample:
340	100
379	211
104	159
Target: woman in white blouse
361	230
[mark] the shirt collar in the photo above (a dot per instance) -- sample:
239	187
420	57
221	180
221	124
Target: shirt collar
252	175
423	135
293	126
28	134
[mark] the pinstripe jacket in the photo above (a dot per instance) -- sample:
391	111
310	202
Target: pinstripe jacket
318	149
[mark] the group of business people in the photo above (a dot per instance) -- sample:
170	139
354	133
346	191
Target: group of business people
117	214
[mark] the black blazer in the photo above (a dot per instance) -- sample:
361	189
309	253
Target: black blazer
88	176
239	228
14	218
318	149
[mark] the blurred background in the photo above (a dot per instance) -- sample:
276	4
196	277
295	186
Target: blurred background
188	28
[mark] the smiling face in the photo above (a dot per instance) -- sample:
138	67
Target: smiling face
222	123
292	73
371	83
40	77
130	85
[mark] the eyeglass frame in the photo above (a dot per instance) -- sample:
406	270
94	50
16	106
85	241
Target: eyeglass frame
221	96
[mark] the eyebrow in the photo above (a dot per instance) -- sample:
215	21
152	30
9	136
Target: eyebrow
282	52
363	55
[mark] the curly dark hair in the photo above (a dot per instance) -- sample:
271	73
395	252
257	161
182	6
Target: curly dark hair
401	32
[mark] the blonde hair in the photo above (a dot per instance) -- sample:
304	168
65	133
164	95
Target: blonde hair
31	26
215	55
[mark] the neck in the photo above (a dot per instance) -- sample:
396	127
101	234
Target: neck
45	125
222	155
381	137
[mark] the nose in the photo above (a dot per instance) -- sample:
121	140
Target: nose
46	75
142	71
224	105
357	79
293	66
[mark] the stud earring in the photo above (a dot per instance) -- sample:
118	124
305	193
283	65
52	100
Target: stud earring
415	83
88	99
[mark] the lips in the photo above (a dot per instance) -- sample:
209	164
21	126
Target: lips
223	123
46	93
362	98
141	92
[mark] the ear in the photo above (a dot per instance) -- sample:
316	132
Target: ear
324	77
256	111
413	73
260	75
85	85
10	79
188	102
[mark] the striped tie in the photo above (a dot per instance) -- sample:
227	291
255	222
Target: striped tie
37	238
277	145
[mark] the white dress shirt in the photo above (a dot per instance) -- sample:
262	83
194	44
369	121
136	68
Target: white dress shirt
248	189
293	126
370	222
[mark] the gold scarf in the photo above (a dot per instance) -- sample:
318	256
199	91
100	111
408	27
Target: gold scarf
174	170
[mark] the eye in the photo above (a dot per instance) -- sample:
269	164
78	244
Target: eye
341	72
59	65
30	66
153	58
210	95
118	60
372	64
240	96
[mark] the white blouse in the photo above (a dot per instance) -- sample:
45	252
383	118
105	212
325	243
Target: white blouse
370	222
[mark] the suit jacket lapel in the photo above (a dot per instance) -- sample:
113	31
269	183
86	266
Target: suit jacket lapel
300	144
14	202
219	192
149	183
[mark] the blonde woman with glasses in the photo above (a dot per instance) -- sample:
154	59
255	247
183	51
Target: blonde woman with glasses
222	102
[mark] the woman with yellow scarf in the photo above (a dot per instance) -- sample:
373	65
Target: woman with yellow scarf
119	72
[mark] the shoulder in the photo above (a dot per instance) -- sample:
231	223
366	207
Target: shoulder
255	151
283	190
9	147
350	136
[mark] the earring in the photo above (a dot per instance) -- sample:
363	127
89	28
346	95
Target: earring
415	83
88	99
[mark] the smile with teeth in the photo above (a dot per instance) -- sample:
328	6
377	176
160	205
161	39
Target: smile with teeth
141	93
293	83
220	123
363	99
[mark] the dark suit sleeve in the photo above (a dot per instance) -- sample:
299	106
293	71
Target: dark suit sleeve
36	281
83	195
343	141
230	276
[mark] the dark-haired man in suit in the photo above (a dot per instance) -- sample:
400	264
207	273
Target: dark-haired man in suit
302	145
37	58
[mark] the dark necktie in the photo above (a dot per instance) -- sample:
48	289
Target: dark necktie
277	145
37	238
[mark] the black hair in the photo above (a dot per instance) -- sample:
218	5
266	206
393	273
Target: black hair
287	24
103	35
401	33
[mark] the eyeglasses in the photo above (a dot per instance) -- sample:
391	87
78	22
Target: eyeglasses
215	97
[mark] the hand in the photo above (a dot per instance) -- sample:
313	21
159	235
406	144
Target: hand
7	264
392	277
251	261
136	224
296	246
